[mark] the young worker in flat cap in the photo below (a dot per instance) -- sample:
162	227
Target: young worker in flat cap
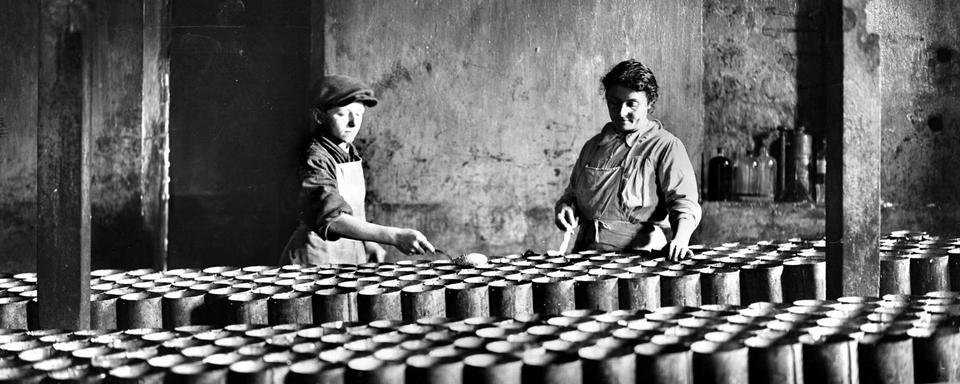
333	227
631	176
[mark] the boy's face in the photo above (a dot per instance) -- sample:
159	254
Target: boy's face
628	108
341	124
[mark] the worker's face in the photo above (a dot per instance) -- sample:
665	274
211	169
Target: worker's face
628	108
341	124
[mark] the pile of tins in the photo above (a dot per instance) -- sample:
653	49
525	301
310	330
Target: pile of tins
897	339
915	263
508	286
513	285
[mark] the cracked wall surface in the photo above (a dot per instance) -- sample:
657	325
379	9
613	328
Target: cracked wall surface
920	84
485	106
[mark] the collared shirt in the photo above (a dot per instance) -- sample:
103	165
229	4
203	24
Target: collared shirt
320	200
667	185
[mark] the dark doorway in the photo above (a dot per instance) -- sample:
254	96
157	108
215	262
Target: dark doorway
239	73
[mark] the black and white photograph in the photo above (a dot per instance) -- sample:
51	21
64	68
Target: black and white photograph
480	191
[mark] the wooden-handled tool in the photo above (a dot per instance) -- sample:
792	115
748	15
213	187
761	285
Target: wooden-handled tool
444	253
468	259
566	241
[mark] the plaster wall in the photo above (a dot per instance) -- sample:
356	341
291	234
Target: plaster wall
920	84
115	88
485	105
18	134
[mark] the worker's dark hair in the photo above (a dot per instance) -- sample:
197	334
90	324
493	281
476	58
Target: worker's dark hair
634	75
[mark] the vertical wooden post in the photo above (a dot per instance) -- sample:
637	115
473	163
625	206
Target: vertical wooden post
63	178
852	129
155	146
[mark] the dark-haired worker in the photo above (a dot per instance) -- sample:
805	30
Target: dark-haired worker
631	176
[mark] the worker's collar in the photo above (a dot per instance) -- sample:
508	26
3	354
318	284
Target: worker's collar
631	138
350	152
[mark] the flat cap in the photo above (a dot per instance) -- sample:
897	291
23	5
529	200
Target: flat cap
339	90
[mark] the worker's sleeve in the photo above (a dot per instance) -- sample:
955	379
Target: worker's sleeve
678	184
319	184
569	196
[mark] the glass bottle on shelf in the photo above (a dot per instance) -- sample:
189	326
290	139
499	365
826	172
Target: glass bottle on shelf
820	175
766	177
737	165
720	177
746	167
784	173
802	151
734	159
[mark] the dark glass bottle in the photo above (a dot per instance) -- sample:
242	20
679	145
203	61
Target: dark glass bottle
720	178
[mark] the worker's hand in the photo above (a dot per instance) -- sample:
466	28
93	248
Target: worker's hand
412	242
566	218
375	253
678	250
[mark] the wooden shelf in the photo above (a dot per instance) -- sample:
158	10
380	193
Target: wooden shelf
750	221
763	204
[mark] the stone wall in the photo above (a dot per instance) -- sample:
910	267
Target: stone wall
761	70
760	62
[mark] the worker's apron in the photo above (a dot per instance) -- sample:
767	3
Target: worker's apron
605	224
306	247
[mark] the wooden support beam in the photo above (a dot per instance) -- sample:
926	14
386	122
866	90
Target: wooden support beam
853	151
63	177
155	137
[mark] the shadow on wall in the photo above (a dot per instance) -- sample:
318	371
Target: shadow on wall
238	77
810	78
124	243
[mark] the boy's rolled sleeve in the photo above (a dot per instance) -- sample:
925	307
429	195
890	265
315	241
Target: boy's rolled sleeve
322	200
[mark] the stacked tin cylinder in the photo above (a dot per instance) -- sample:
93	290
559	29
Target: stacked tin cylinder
408	290
913	262
612	317
896	339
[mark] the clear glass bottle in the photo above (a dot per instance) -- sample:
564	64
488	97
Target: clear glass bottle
754	175
766	177
742	174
